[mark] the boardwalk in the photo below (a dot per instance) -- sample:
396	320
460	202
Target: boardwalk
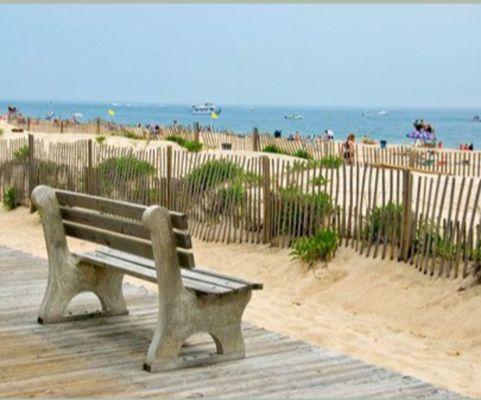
103	357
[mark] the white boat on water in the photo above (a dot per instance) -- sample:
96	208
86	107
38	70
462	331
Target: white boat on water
206	108
293	116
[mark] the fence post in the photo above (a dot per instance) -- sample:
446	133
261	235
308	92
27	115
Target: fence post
411	156
90	189
97	126
196	132
169	178
61	126
255	140
406	216
30	166
29	124
266	195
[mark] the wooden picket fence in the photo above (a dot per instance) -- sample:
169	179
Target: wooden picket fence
431	221
454	162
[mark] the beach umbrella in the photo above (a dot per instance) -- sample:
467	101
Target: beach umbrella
421	135
414	135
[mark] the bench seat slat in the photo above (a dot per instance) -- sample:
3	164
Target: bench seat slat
148	274
196	273
115	224
140	247
116	207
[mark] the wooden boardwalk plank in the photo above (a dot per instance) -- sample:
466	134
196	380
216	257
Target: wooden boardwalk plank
103	357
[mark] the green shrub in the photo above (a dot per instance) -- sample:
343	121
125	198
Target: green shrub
1	132
176	139
448	250
213	173
426	237
319	180
384	220
100	139
302	154
10	198
125	167
272	148
193	145
21	154
130	135
331	162
299	211
229	198
320	247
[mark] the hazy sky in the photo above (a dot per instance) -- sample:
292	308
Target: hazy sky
325	55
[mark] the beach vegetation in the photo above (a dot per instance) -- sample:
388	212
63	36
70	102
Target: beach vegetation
302	154
21	155
191	145
214	172
319	180
331	162
384	221
298	211
1	132
321	246
125	167
100	139
130	135
272	148
10	198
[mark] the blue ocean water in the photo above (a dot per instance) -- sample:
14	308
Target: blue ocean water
452	126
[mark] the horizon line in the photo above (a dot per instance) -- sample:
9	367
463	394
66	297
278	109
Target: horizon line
240	104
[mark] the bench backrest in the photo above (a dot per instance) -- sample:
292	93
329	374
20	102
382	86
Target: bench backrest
117	224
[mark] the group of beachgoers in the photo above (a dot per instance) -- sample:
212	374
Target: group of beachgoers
328	135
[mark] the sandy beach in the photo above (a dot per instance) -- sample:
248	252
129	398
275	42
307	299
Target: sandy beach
382	312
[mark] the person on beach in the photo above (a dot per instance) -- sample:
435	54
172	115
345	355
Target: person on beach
328	134
297	136
349	148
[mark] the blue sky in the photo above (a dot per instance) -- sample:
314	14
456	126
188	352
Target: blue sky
322	55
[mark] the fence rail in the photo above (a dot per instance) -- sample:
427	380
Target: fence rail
431	221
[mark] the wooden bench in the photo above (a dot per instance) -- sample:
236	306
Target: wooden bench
150	243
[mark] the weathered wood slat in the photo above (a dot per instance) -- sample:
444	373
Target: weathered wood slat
148	274
122	226
140	247
116	207
197	273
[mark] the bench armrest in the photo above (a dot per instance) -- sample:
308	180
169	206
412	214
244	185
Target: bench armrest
157	220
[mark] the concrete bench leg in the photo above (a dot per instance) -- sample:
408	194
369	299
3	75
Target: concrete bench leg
182	313
66	277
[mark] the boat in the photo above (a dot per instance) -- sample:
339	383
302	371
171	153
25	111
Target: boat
382	112
206	108
476	118
293	116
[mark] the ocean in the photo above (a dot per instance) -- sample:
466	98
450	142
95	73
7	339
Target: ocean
452	126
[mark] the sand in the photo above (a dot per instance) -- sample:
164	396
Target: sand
382	312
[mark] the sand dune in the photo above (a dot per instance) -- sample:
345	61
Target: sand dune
380	311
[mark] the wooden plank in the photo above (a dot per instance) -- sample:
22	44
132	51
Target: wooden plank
147	274
128	244
122	226
197	273
122	208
